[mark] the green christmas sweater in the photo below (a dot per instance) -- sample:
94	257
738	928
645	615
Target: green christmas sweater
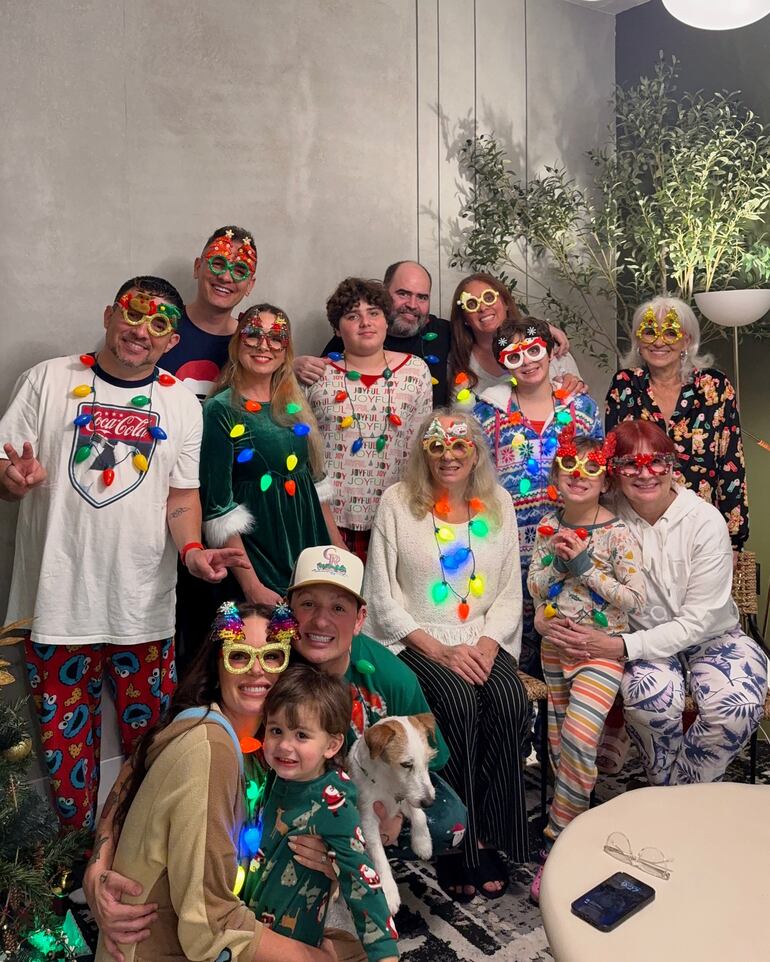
291	899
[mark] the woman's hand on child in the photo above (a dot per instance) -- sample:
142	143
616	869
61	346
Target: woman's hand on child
312	852
580	642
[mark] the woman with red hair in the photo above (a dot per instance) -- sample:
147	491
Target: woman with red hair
690	622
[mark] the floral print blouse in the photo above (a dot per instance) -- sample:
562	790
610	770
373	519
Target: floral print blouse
706	431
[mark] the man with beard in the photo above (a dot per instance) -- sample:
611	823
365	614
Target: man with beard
102	450
412	329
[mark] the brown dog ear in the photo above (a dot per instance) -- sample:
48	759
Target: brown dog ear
379	736
427	722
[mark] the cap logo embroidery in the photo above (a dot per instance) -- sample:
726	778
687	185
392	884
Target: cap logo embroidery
333	563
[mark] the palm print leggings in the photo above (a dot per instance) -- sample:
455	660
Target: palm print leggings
728	682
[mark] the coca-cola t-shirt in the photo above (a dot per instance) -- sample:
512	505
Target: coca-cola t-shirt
94	560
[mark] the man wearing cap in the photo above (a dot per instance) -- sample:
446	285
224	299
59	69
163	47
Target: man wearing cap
325	595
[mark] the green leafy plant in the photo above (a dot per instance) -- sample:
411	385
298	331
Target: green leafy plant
676	205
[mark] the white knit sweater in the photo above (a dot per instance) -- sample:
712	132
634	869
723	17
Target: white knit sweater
403	566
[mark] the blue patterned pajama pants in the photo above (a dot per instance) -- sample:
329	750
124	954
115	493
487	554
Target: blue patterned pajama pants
728	682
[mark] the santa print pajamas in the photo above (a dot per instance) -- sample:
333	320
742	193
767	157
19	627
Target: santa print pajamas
293	900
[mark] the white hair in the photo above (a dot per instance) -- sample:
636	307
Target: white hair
660	306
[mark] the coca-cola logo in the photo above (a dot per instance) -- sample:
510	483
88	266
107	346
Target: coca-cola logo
119	424
103	463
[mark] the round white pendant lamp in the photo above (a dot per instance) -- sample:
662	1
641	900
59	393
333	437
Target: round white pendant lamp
734	309
718	14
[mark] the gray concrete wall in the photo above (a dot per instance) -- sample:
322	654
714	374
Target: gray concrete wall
328	127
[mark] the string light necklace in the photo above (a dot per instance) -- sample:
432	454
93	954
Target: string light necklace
379	437
551	609
139	401
300	430
451	561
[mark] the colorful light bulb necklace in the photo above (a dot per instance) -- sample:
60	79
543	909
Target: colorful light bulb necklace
551	609
451	561
300	430
139	401
430	359
392	419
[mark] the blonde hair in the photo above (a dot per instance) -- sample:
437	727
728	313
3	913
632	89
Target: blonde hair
482	481
284	387
660	306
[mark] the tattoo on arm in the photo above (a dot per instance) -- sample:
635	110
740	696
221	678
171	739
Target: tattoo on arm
177	512
97	849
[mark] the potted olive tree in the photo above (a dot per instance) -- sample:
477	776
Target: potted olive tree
676	205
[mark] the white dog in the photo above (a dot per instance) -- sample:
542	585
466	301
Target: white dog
389	764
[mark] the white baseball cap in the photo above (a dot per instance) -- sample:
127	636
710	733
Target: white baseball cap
328	565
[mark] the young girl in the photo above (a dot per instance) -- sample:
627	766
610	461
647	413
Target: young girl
583	569
307	716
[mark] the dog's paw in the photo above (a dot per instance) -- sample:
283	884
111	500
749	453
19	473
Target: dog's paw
422	846
391	893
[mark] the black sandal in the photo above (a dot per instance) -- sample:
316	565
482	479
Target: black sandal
491	869
451	873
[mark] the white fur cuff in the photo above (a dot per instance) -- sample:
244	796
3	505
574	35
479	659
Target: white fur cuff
324	490
218	530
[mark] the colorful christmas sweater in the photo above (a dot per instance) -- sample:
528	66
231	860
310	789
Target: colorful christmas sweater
523	457
706	430
601	586
293	900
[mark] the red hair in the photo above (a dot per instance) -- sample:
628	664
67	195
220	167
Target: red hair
634	437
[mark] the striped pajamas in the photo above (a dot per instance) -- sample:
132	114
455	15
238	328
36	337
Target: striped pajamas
579	699
484	727
600	585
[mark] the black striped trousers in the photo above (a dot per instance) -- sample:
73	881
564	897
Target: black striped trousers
484	727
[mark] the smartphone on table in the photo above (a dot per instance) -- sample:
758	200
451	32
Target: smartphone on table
613	901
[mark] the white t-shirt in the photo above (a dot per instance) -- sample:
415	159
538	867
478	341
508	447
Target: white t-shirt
95	563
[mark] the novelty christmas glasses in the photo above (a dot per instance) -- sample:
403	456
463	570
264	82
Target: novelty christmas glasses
437	440
239	658
592	465
470	304
669	330
139	308
631	466
276	337
226	255
529	351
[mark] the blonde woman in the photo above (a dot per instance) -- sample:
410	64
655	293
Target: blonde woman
665	379
443	581
262	478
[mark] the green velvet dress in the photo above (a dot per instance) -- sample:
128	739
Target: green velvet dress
275	525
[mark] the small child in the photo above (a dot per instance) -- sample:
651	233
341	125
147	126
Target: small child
307	714
583	569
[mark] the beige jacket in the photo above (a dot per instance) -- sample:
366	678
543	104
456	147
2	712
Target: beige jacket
179	841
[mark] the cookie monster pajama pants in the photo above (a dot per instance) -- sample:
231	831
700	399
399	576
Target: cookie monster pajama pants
66	683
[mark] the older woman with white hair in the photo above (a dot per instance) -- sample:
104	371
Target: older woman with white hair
443	579
665	379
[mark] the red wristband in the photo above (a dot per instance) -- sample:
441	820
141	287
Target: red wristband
188	547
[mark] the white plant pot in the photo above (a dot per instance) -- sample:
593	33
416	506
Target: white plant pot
734	308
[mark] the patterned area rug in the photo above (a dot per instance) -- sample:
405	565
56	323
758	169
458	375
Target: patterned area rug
509	929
